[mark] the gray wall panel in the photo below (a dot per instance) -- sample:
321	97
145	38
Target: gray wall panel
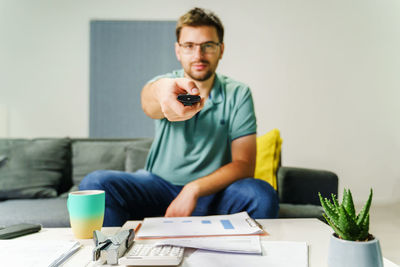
124	55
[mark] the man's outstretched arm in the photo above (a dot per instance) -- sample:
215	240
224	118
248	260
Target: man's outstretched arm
159	99
242	166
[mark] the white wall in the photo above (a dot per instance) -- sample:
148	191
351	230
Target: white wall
3	122
326	73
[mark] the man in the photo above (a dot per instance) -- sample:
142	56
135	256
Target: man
202	155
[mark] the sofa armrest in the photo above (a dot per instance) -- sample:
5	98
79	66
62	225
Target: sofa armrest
301	186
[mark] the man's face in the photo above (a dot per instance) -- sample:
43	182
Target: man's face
198	64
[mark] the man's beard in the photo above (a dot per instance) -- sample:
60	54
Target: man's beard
201	77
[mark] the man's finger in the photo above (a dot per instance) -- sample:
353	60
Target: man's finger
187	85
195	91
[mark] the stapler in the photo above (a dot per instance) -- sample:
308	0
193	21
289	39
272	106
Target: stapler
113	247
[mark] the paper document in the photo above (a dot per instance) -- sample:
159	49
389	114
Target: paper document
275	254
36	253
234	244
215	225
388	263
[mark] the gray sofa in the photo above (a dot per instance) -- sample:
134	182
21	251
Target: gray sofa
37	174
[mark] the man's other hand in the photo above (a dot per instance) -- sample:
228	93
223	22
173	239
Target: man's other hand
185	203
167	92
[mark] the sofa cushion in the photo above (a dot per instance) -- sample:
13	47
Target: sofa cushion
32	168
49	212
92	155
268	157
136	155
300	211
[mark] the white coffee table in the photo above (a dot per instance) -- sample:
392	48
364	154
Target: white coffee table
312	231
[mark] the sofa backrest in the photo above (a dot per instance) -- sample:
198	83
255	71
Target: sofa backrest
32	168
88	155
47	167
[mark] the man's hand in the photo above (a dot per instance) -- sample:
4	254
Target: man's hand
185	203
159	99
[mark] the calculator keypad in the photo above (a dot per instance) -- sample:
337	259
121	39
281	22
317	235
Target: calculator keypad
149	254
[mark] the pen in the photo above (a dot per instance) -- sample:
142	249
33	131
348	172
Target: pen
137	227
253	223
259	225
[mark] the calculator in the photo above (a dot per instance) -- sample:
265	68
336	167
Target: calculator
145	254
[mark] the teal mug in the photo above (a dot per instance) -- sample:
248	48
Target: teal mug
86	212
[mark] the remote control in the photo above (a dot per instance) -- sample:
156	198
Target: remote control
188	100
19	230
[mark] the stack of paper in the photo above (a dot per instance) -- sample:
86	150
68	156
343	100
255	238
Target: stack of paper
224	240
233	244
36	253
275	254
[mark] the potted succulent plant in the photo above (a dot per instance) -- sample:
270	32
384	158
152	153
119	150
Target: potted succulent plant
351	244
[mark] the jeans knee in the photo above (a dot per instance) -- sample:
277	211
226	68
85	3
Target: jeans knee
263	198
94	180
268	200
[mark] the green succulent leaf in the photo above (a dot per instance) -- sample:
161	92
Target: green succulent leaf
335	202
334	227
329	209
342	217
348	225
348	203
365	210
331	206
364	227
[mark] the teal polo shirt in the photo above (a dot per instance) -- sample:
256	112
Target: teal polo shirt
187	150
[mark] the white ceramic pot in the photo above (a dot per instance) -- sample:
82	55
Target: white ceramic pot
344	253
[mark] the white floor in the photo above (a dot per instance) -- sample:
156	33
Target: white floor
385	225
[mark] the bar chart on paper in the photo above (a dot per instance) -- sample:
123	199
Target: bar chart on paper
234	224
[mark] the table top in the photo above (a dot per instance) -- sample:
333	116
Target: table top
312	231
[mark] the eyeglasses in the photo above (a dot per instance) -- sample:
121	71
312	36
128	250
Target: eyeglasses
207	47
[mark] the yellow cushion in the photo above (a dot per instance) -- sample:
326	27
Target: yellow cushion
268	156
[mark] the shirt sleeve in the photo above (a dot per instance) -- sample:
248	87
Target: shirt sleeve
243	119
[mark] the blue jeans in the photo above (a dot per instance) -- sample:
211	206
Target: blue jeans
134	196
